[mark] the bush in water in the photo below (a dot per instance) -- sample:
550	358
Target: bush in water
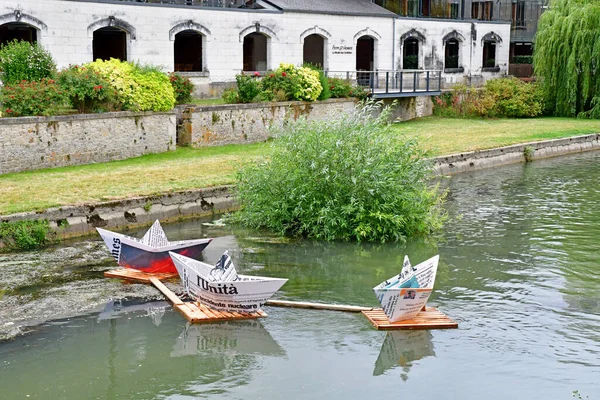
349	179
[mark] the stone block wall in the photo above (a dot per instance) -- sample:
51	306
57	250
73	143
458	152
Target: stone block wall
30	143
249	123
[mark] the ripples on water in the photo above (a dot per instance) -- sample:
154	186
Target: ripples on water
519	271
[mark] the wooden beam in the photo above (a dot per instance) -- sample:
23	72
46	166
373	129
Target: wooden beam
317	306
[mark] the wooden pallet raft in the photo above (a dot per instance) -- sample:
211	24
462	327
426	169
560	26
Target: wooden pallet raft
192	311
428	318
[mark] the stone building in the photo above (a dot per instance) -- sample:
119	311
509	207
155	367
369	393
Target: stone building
213	40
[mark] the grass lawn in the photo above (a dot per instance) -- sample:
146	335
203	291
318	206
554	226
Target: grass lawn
444	136
189	168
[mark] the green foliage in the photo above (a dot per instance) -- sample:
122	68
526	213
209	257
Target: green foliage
499	98
87	90
248	87
23	61
325	93
138	87
25	235
340	88
522	60
32	98
183	88
410	62
231	96
349	179
528	153
567	57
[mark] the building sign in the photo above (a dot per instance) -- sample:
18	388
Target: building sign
341	49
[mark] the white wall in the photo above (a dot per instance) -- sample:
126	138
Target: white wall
66	34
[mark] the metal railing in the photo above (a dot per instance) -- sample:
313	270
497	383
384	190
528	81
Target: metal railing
389	83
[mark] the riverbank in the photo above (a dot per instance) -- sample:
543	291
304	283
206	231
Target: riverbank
80	220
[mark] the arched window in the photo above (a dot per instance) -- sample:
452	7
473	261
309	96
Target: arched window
410	54
314	50
255	52
189	51
451	58
109	42
489	54
365	53
17	31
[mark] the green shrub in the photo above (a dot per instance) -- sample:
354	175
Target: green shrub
325	93
32	98
339	88
25	235
183	88
349	179
514	98
248	87
504	97
231	96
522	60
305	84
410	62
87	90
138	87
154	91
23	61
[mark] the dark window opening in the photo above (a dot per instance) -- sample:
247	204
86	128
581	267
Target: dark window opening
109	43
17	31
410	54
255	52
314	50
518	14
425	8
489	54
365	53
188	51
451	54
482	10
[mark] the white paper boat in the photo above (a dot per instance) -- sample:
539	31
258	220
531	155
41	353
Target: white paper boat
404	295
150	253
221	288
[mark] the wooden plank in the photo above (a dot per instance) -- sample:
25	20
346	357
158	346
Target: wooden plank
317	306
429	319
136	275
173	298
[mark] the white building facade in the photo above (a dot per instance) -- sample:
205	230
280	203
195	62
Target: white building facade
213	44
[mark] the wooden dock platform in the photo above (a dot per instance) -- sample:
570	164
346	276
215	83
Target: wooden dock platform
429	318
193	311
135	275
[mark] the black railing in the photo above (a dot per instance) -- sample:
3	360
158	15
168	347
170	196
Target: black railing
398	83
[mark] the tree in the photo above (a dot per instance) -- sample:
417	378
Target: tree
567	57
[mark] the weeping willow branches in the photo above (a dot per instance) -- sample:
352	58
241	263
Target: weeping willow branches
567	57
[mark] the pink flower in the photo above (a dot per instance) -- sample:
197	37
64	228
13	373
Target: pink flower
256	73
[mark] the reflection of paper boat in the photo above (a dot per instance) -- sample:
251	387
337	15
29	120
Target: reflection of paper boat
241	293
235	337
150	253
404	295
117	308
401	348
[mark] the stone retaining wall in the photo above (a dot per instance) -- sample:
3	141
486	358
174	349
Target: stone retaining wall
475	160
29	143
249	123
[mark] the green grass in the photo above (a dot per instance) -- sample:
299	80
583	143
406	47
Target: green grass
207	102
189	168
443	136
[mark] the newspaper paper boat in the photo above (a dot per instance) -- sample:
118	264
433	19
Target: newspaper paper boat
404	295
221	288
150	253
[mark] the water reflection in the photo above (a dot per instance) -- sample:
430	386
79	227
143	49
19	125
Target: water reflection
227	338
401	348
123	307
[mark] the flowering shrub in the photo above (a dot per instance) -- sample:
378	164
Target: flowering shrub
23	61
32	98
183	88
304	82
138	88
87	90
249	87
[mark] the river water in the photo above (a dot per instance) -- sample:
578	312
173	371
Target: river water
519	271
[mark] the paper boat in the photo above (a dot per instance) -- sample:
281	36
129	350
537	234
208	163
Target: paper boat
221	288
150	253
404	295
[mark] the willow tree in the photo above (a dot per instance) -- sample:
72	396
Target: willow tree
567	57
